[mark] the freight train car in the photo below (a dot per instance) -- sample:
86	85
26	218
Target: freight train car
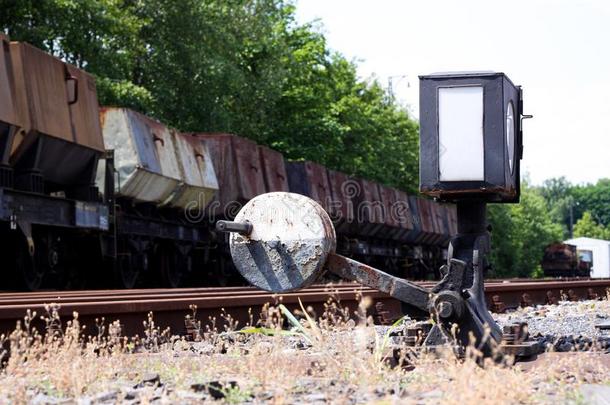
376	224
73	211
111	196
565	260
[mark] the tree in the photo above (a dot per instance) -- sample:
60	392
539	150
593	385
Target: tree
520	234
587	227
561	203
568	202
594	198
100	36
330	116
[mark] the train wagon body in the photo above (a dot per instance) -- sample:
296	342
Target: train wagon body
406	236
310	179
239	170
156	164
59	140
274	170
8	114
110	196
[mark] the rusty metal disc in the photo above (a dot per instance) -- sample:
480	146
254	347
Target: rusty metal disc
291	238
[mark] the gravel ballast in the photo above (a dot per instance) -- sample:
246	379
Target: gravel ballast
567	326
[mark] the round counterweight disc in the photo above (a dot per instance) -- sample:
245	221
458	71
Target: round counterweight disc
291	238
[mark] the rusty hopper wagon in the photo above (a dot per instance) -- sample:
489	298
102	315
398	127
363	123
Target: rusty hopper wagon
89	195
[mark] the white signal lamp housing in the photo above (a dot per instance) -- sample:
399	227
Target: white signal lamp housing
470	136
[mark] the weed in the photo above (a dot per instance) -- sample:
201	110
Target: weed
344	356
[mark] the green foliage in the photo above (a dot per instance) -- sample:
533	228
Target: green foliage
564	199
123	93
97	35
560	202
520	234
240	66
594	198
587	227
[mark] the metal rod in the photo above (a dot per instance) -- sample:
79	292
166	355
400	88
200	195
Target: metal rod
243	228
401	289
471	217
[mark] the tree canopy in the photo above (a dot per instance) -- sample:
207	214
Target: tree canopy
565	200
587	227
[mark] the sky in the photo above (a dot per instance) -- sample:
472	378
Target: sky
559	51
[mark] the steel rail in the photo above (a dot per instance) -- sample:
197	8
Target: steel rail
170	306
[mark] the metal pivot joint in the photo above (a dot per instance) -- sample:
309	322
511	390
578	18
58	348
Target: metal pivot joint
459	297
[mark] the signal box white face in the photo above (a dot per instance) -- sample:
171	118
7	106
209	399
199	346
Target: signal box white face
470	138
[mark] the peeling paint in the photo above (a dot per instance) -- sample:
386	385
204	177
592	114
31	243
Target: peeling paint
277	257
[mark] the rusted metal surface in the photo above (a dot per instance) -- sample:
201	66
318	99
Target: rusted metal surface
239	171
40	83
417	236
443	221
170	306
444	218
56	108
290	240
319	186
311	180
199	182
84	111
8	115
7	89
391	227
404	215
496	304
398	288
425	217
435	229
544	291
451	212
440	229
274	170
369	209
342	208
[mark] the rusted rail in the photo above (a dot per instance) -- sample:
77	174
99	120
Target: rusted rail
170	306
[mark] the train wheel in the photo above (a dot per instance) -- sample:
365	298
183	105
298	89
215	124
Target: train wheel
126	271
52	258
132	261
173	264
28	276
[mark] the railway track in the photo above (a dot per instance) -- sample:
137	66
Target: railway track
171	306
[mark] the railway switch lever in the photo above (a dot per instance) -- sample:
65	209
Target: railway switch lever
291	243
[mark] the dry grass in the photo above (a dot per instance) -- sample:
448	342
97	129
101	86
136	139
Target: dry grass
333	357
